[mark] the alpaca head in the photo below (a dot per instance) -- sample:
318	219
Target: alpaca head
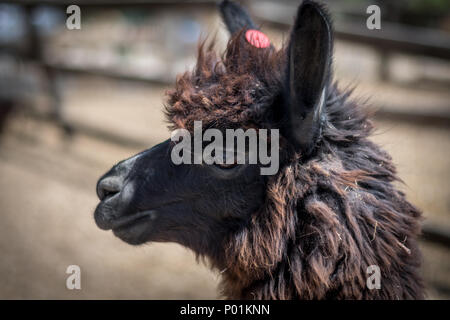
149	198
308	230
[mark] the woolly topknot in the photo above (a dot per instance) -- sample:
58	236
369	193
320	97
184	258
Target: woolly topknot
228	91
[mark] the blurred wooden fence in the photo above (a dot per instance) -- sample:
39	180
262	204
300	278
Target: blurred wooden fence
391	38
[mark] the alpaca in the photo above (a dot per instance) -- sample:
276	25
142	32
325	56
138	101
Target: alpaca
311	230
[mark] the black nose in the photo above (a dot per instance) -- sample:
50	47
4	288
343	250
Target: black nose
108	187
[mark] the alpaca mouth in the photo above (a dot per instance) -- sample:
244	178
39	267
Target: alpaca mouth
133	228
126	222
121	223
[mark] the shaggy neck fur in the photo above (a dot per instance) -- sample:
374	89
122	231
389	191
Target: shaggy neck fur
326	218
325	221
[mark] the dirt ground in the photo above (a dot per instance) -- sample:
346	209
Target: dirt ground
47	202
47	196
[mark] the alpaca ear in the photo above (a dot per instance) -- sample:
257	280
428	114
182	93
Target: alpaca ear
235	17
309	59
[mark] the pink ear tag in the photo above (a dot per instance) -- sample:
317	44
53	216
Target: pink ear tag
257	39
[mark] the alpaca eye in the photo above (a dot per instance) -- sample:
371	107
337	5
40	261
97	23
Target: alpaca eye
226	166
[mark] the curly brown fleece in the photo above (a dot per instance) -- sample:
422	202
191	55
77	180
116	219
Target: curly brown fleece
326	218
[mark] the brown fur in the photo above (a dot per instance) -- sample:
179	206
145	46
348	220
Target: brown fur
225	92
325	219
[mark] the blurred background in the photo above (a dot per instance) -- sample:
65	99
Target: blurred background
75	102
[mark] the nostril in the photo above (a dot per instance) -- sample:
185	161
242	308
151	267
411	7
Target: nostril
108	187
